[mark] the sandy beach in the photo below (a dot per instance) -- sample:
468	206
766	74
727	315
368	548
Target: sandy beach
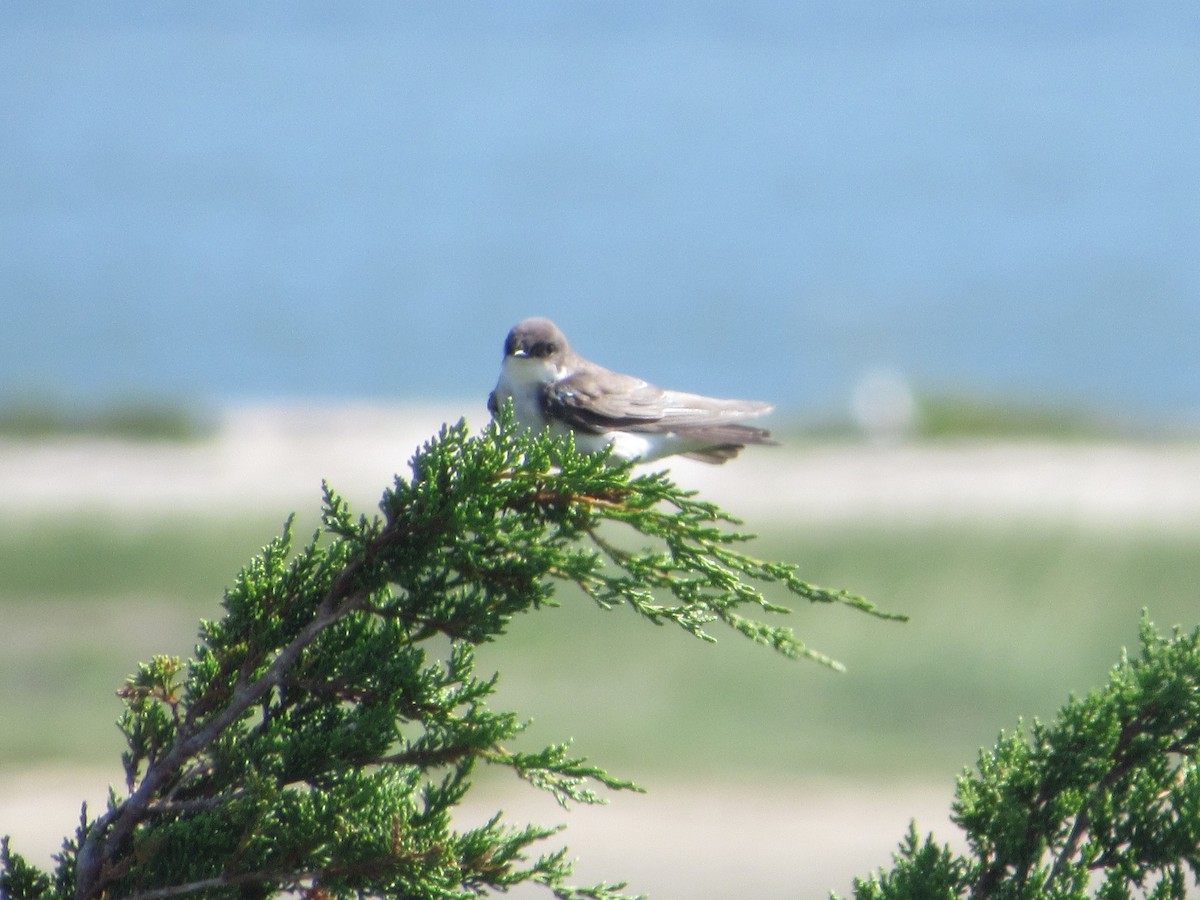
271	460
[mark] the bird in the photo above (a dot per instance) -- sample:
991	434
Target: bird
552	386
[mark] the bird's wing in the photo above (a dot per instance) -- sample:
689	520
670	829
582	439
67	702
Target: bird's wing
716	422
685	412
599	401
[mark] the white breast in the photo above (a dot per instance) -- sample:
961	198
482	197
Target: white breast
522	379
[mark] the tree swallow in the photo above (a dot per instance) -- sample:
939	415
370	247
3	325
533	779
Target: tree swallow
551	385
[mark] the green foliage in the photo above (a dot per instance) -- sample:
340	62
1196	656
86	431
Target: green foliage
941	415
18	878
36	417
966	416
329	723
1104	802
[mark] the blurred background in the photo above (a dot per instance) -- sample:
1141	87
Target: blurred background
242	249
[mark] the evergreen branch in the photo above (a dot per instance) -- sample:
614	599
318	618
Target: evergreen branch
301	748
564	777
1103	802
1122	762
115	826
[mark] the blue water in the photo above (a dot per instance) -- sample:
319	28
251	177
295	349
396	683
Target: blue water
763	199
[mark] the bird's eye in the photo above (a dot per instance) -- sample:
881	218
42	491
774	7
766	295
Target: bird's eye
546	349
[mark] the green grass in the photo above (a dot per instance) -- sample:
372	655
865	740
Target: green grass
81	603
88	558
1006	622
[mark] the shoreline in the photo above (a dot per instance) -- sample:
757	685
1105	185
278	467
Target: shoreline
273	458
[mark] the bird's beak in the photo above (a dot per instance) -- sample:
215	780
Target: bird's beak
520	353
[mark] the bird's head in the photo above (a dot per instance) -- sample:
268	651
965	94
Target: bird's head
537	340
